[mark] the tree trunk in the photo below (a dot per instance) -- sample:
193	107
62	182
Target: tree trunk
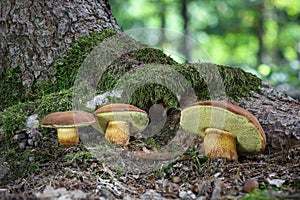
185	17
260	34
36	32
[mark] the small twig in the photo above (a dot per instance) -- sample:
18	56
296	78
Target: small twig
116	182
217	190
109	186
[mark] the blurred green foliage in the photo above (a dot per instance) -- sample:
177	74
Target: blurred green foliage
259	36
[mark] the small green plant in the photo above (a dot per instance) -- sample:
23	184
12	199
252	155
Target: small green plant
150	142
258	194
118	171
25	162
165	169
80	155
200	161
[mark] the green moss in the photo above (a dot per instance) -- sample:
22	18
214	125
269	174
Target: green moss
11	88
55	102
151	55
150	142
239	83
209	80
68	65
42	88
147	95
146	86
14	118
129	62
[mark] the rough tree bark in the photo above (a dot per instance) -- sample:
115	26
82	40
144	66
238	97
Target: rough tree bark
279	116
34	33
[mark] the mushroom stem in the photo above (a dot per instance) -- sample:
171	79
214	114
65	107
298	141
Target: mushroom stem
219	143
118	132
68	136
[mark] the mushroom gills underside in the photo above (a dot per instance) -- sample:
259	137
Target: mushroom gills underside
197	119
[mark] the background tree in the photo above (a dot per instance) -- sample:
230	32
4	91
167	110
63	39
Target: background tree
259	36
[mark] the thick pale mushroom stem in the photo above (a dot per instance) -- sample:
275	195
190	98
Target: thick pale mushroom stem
118	132
68	136
219	143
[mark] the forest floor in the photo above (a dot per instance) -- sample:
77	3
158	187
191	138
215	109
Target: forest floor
75	173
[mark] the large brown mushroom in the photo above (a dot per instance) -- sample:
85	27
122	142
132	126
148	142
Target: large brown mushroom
227	129
118	121
67	124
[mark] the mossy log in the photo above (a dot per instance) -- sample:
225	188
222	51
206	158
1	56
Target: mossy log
278	113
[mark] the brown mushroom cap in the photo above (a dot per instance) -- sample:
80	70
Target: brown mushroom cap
197	117
137	118
67	119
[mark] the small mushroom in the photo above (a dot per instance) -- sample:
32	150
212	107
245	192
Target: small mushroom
228	130
67	124
250	185
118	121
